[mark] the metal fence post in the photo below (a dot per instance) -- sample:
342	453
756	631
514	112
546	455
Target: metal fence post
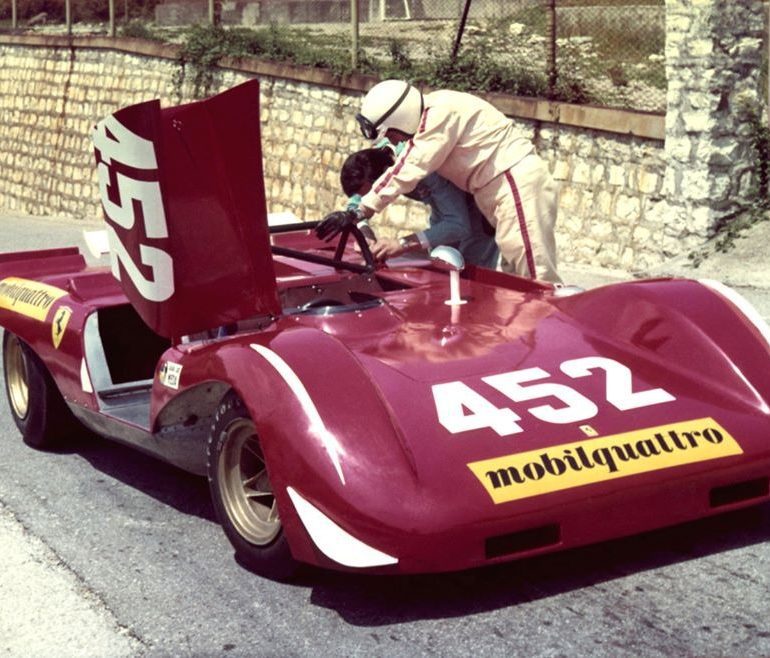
354	34
112	17
14	14
460	29
551	45
215	12
68	15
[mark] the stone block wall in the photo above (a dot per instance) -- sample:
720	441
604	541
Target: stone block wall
626	201
610	187
714	54
49	100
50	97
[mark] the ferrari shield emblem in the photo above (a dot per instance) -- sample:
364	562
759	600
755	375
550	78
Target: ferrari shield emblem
59	324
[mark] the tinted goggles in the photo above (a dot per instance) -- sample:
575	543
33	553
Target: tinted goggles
368	129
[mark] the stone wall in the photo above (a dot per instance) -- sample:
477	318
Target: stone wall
49	100
610	187
714	55
50	97
626	200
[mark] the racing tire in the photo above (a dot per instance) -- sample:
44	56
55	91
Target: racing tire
37	406
242	494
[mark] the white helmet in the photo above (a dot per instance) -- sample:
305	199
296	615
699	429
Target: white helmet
390	104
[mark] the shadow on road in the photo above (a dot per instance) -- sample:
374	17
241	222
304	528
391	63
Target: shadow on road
373	601
167	484
376	601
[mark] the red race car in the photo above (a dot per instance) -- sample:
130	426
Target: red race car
408	418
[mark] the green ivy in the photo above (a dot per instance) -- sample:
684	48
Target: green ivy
203	47
762	160
479	71
137	29
754	114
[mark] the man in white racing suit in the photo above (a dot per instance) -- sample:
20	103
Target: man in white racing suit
472	144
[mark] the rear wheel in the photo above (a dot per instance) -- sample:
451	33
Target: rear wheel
242	494
37	407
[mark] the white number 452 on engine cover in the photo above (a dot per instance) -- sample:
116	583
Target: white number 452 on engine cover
455	399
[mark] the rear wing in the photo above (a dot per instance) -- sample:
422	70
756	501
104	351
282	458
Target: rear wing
41	262
182	191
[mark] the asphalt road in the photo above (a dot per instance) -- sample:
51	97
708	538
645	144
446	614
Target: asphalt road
106	552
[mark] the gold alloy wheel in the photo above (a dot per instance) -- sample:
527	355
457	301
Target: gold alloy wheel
244	486
15	364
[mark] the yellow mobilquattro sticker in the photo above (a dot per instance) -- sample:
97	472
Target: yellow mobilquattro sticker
30	298
59	324
539	472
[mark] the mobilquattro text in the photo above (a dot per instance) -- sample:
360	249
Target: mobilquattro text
31	296
608	458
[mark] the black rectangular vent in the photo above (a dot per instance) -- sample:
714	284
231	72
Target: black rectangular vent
739	492
524	540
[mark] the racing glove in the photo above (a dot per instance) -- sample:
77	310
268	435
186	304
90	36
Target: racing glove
335	223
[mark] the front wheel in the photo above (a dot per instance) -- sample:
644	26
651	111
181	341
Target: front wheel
242	495
37	406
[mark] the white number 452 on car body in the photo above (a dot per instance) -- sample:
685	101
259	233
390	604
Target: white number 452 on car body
118	146
461	409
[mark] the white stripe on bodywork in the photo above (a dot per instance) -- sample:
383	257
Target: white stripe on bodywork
317	426
334	542
85	380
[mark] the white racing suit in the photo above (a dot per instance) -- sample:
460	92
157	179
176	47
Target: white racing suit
469	142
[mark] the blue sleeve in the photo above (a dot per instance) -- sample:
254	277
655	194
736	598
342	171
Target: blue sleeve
450	222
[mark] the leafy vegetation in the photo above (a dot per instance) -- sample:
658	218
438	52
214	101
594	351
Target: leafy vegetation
754	114
203	47
139	30
476	69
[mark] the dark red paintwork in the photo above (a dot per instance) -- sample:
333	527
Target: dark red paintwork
385	468
208	172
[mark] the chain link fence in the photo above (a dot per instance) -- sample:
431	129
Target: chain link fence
602	52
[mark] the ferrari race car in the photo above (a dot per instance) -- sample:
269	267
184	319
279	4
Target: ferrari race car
413	417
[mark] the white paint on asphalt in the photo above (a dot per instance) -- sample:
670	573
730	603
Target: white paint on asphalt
45	609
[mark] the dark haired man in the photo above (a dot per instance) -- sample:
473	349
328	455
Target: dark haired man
455	220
